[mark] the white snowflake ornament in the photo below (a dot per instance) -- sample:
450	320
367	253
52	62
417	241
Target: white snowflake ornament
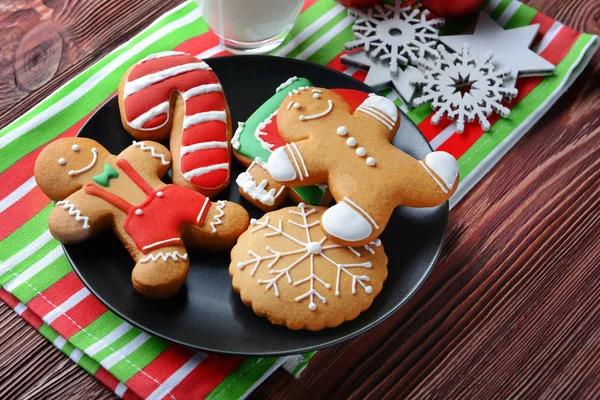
395	34
463	87
285	267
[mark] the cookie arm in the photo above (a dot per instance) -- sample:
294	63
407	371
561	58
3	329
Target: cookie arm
77	218
298	164
148	158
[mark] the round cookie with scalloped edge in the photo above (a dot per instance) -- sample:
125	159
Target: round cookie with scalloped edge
285	268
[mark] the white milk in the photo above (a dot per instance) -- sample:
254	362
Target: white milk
249	20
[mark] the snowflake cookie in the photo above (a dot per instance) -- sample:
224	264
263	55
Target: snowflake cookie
288	271
463	87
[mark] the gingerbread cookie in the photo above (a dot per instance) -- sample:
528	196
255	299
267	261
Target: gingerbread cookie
289	272
95	190
342	138
253	143
176	95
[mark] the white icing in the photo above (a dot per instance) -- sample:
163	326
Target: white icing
290	104
373	113
351	142
286	83
62	161
259	131
136	85
319	115
67	205
295	147
139	212
280	167
347	200
316	91
383	104
295	161
235	140
444	165
202	89
160	194
344	222
163	54
342	131
201	213
246	182
161	242
280	262
204	170
75	148
297	105
361	152
316	96
152	151
258	161
202	146
87	167
191	120
371	162
217	218
175	256
139	122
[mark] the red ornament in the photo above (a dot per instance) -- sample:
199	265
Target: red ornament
452	8
358	3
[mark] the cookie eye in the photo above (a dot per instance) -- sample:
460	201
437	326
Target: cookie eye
296	105
75	147
317	96
62	161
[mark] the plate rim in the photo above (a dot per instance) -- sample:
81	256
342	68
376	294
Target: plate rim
307	349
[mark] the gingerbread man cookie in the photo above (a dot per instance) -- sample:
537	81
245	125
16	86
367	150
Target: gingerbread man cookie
289	272
342	138
176	95
95	190
253	143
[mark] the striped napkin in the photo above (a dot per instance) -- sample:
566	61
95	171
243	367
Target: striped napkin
40	285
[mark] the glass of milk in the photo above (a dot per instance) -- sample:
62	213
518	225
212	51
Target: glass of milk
250	26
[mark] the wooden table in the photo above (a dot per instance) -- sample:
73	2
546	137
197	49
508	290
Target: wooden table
513	307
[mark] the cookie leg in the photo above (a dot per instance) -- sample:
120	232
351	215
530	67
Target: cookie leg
443	169
161	273
223	223
347	223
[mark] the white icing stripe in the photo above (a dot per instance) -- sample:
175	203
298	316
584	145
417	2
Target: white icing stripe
347	200
191	120
74	172
319	115
201	213
161	242
202	146
217	218
377	117
175	256
204	170
301	158
290	104
235	140
162	55
246	182
139	122
259	132
136	85
440	184
316	91
290	151
202	89
286	83
379	113
152	151
67	205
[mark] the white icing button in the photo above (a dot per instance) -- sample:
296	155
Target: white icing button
314	248
75	147
296	105
351	142
139	211
361	151
342	131
62	161
160	194
370	161
369	289
316	95
312	306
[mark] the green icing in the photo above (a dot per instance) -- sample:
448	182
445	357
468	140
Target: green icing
251	147
104	177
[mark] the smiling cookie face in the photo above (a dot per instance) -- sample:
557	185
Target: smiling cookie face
66	164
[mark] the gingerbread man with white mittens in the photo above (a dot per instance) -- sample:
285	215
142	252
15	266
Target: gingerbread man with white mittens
343	138
95	190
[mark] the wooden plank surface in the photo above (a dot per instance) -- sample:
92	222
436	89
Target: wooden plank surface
513	307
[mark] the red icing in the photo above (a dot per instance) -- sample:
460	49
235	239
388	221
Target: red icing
354	98
214	130
161	216
272	135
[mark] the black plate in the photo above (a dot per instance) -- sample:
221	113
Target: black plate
207	314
